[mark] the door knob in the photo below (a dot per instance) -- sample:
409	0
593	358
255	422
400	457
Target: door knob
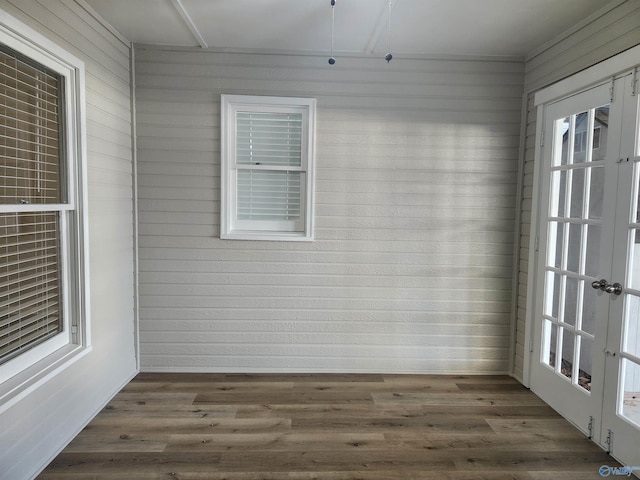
616	289
600	285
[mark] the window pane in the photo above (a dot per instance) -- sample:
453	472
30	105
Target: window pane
29	281
30	129
268	195
269	139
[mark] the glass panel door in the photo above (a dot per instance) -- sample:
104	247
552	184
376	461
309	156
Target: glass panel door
575	230
586	340
621	405
630	353
575	241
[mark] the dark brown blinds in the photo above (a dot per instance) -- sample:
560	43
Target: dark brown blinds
31	176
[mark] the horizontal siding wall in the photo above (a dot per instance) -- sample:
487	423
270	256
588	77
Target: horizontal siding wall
615	29
411	267
36	428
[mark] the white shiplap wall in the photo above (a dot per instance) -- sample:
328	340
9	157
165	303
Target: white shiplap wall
34	430
612	30
411	267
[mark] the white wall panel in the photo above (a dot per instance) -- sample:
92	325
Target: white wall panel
39	426
415	194
615	29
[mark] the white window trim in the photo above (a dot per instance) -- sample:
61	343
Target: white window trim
27	371
241	230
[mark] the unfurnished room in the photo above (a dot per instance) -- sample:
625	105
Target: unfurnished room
319	239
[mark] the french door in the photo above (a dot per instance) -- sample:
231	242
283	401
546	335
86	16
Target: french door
586	342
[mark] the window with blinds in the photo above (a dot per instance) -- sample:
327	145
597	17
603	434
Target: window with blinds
31	179
267	167
268	140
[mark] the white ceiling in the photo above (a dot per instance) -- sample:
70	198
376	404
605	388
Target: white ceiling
419	27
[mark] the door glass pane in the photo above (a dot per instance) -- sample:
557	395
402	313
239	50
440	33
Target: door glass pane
554	250
637	203
573	249
568	342
580	138
590	298
634	260
552	295
600	133
586	347
570	300
632	325
596	192
631	391
550	338
577	193
557	193
564	153
592	258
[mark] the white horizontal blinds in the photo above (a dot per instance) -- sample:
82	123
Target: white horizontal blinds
30	99
269	163
269	139
268	195
29	280
30	174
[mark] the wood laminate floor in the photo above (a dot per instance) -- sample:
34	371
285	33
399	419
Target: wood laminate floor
334	427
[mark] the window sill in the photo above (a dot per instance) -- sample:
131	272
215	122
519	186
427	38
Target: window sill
24	383
275	236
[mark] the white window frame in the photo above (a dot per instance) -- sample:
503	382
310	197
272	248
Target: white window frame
22	374
230	227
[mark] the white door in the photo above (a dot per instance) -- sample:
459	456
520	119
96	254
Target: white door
586	356
621	403
575	246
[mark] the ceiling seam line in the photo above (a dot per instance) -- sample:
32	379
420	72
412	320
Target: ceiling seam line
186	18
379	28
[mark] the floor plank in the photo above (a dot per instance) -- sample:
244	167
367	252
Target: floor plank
330	426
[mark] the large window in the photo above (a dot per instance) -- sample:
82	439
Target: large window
43	311
267	168
31	171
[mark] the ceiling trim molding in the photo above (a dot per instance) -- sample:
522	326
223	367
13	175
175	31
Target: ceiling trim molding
102	21
355	55
577	27
188	21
